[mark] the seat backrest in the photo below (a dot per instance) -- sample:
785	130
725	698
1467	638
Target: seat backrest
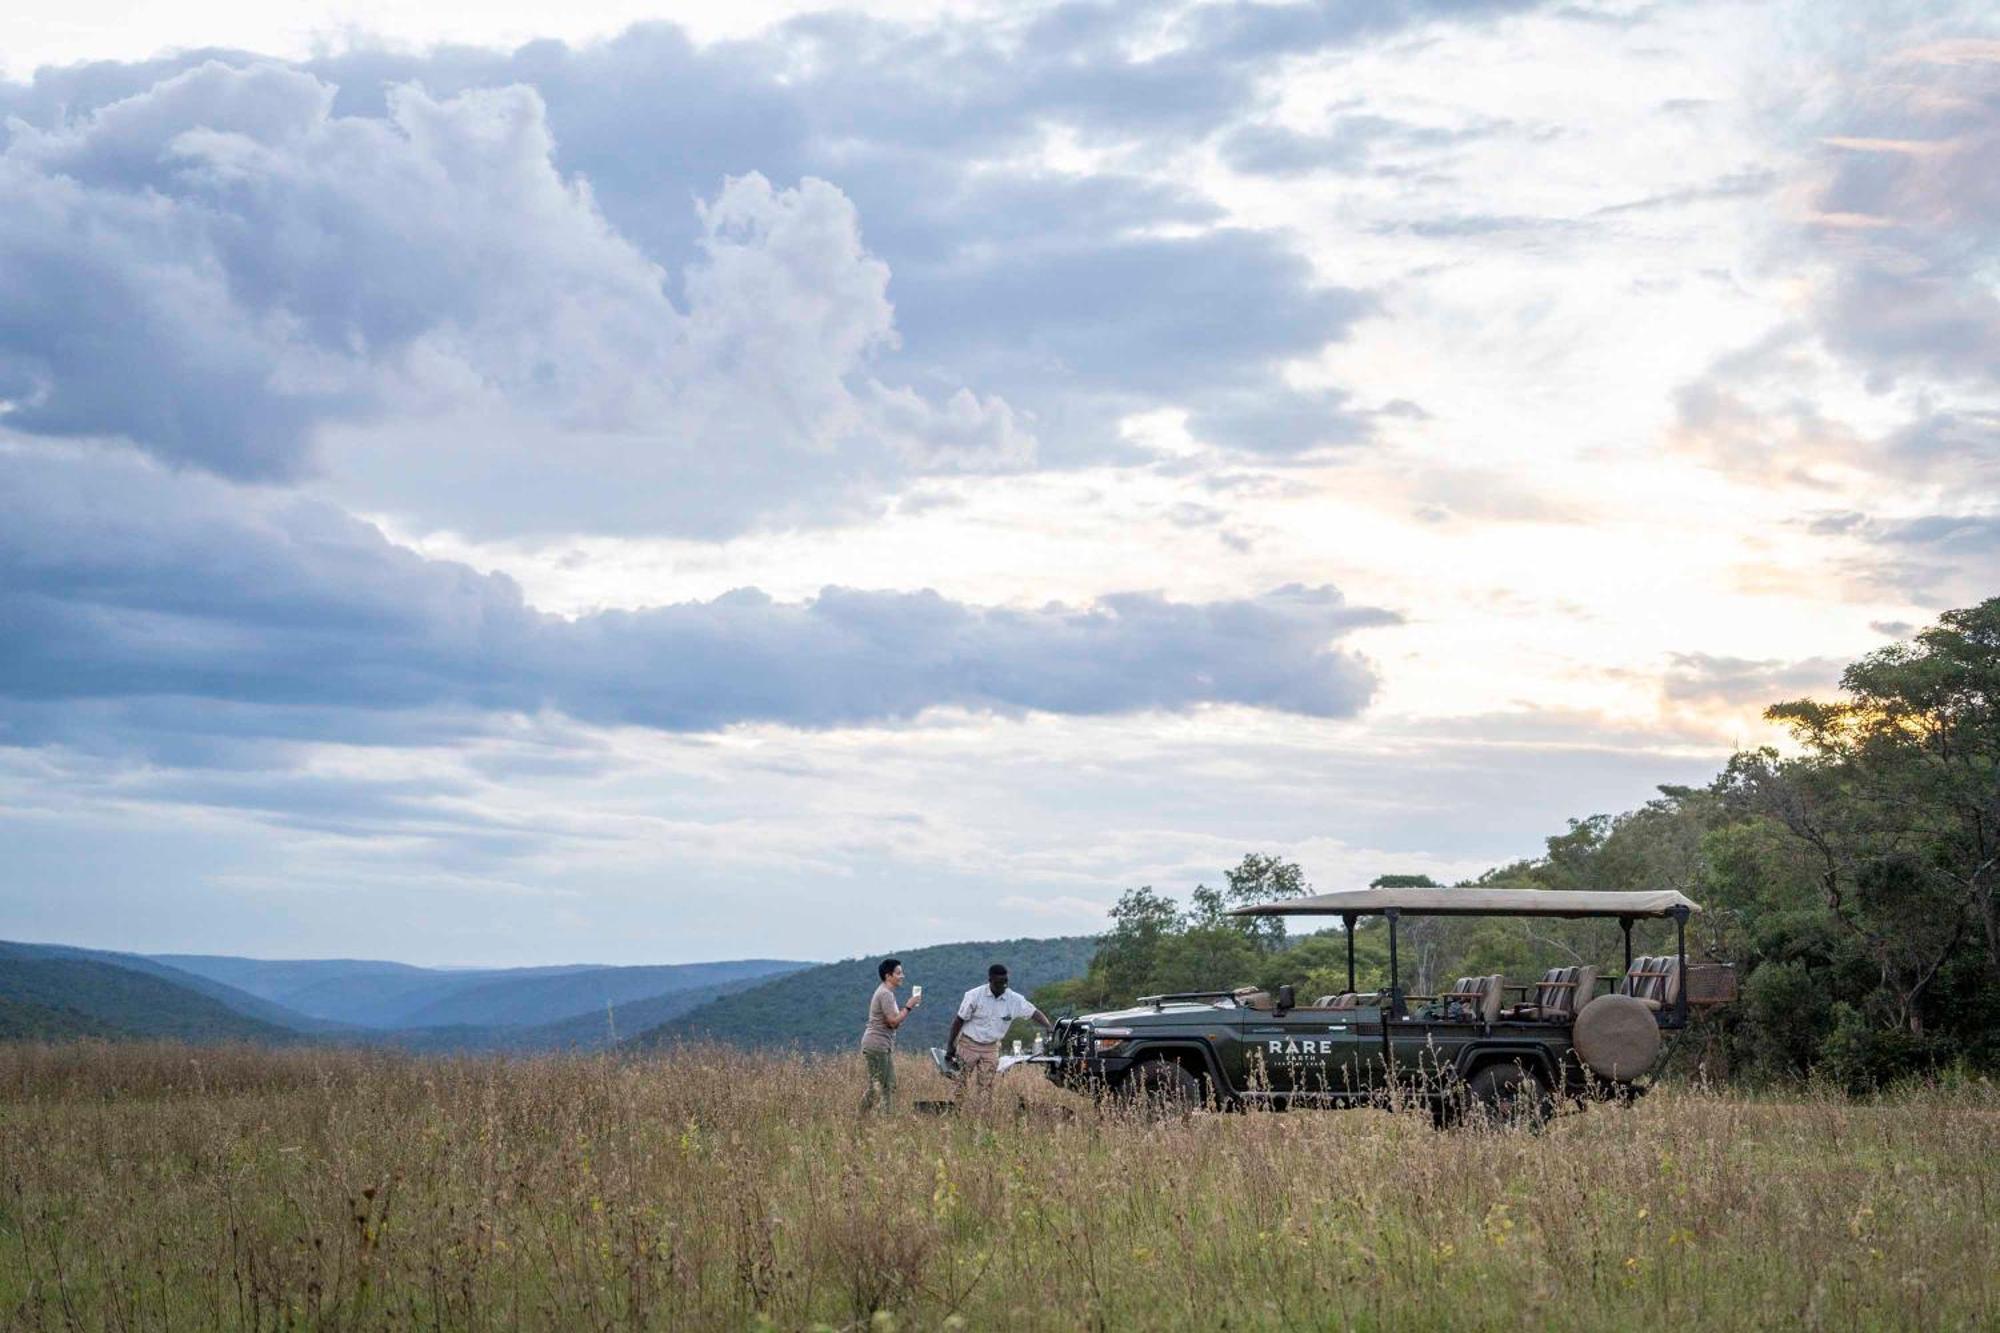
1571	999
1670	981
1490	996
1252	998
1549	989
1640	978
1481	995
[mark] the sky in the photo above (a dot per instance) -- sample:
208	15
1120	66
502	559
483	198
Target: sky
656	483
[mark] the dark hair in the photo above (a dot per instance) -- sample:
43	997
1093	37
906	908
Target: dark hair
997	970
888	965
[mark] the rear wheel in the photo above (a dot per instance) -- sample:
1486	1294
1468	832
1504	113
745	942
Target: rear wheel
1507	1096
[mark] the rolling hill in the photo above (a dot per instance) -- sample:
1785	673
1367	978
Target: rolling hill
242	1002
59	997
23	1020
823	1008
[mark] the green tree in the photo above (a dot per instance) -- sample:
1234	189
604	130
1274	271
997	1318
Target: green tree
1128	956
1261	879
1919	737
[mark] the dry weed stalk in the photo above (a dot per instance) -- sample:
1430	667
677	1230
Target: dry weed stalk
149	1187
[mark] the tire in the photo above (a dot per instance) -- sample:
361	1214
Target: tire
1507	1096
1617	1038
1161	1090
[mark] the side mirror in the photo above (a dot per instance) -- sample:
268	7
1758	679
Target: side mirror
1287	999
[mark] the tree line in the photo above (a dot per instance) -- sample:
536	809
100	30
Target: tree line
1851	877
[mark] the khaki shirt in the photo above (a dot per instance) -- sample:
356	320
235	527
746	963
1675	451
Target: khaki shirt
882	1010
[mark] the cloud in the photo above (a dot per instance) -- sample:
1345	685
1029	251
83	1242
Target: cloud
216	267
1750	181
211	267
1908	211
119	581
1735	681
1365	143
1036	306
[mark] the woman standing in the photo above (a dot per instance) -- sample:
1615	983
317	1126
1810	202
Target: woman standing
878	1039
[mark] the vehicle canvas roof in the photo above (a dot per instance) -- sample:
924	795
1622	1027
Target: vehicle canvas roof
1478	902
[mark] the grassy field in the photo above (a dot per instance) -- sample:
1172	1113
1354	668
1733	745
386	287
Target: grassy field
164	1186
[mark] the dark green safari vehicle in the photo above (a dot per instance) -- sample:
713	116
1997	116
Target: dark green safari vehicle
1482	1047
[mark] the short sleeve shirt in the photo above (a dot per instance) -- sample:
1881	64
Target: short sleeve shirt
988	1016
882	1007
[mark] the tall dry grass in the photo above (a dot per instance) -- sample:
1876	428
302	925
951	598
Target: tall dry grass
164	1187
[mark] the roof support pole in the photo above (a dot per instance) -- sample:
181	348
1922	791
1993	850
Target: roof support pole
1395	972
1680	916
1625	924
1347	921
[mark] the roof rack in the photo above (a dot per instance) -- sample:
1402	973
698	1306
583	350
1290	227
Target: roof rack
1158	1001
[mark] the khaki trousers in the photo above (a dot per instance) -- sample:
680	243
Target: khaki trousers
979	1064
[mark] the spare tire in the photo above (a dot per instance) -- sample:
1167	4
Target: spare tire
1617	1037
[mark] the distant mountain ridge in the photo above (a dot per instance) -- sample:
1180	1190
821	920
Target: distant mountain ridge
823	1008
593	1030
60	992
385	996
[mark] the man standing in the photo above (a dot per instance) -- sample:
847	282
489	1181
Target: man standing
984	1016
878	1039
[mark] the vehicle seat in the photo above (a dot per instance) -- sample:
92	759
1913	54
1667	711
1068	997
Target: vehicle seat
1559	1000
1552	984
1344	1000
1654	982
1478	997
1249	997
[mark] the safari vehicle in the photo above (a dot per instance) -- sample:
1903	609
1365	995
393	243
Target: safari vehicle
1482	1047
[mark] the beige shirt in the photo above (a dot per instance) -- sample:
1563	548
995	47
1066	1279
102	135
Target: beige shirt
882	1010
988	1016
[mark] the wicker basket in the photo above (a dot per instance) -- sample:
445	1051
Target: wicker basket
1711	983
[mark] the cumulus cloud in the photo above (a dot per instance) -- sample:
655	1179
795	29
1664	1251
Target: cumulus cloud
118	581
1021	292
218	265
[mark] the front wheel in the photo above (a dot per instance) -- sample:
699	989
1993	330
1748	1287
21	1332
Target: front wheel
1160	1090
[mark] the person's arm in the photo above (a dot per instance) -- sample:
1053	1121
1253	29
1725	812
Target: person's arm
957	1026
1027	1009
895	1014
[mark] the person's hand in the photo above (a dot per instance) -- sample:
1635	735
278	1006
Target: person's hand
915	1000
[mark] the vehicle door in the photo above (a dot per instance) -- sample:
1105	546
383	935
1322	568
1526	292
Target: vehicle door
1315	1054
1424	1046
